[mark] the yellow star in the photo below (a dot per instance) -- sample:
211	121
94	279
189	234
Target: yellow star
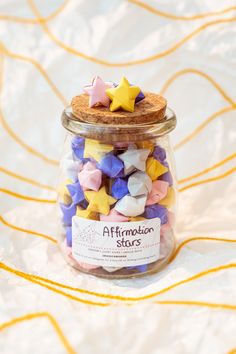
95	150
136	218
154	168
169	199
87	214
99	202
63	192
146	145
123	96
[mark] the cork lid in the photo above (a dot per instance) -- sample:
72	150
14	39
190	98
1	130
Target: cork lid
151	109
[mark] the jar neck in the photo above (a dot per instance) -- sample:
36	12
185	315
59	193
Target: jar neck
114	133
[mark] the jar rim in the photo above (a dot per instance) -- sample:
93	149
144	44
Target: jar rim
117	132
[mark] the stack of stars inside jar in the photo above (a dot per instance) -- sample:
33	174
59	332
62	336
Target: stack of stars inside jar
113	173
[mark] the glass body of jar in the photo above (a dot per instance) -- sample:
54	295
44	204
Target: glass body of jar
117	197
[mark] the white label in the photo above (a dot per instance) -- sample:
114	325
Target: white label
115	244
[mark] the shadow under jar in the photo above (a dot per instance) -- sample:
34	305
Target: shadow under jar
117	196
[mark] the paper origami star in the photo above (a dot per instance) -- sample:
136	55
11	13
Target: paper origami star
159	154
156	211
114	216
139	183
99	201
167	177
119	188
131	206
95	150
154	168
87	214
90	177
64	193
123	96
169	200
140	96
97	92
158	192
134	159
76	192
68	211
71	168
136	218
111	165
69	236
146	145
77	146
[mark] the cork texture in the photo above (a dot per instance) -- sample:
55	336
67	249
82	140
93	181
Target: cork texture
149	110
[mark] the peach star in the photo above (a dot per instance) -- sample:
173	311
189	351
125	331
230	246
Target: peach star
97	92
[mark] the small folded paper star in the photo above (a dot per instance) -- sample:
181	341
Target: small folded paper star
159	154
99	201
131	206
76	192
71	168
111	165
158	192
134	159
114	216
138	98
64	193
119	188
139	183
68	211
169	200
146	145
136	218
69	236
97	92
156	211
154	168
77	146
90	177
86	214
95	150
167	177
123	96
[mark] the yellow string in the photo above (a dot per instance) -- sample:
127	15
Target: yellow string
25	179
208	180
132	62
197	303
35	233
199	73
206	170
49	317
199	238
24	197
38	280
179	17
203	125
35	21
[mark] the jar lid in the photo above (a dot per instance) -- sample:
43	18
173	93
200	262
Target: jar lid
149	110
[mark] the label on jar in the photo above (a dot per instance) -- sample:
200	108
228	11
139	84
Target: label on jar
115	244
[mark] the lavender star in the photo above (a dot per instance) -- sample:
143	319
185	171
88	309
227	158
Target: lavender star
76	192
77	145
69	236
159	154
68	211
111	165
156	211
167	177
119	188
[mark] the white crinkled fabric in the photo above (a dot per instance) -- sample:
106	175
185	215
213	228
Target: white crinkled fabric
40	75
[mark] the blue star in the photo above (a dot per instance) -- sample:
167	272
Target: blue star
76	192
156	211
77	145
119	188
111	165
68	211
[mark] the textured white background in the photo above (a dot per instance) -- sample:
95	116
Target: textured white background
117	32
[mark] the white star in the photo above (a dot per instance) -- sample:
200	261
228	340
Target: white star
134	159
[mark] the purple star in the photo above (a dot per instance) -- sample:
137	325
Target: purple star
69	236
76	192
167	177
156	211
119	188
68	211
77	145
159	154
111	165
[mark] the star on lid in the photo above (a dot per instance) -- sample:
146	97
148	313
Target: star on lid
97	92
99	201
134	159
131	206
154	168
90	177
95	150
158	192
123	96
139	183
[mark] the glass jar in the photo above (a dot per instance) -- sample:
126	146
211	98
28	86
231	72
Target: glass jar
117	197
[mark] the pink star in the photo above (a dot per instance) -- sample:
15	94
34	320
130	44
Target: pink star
97	92
90	177
158	192
114	216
